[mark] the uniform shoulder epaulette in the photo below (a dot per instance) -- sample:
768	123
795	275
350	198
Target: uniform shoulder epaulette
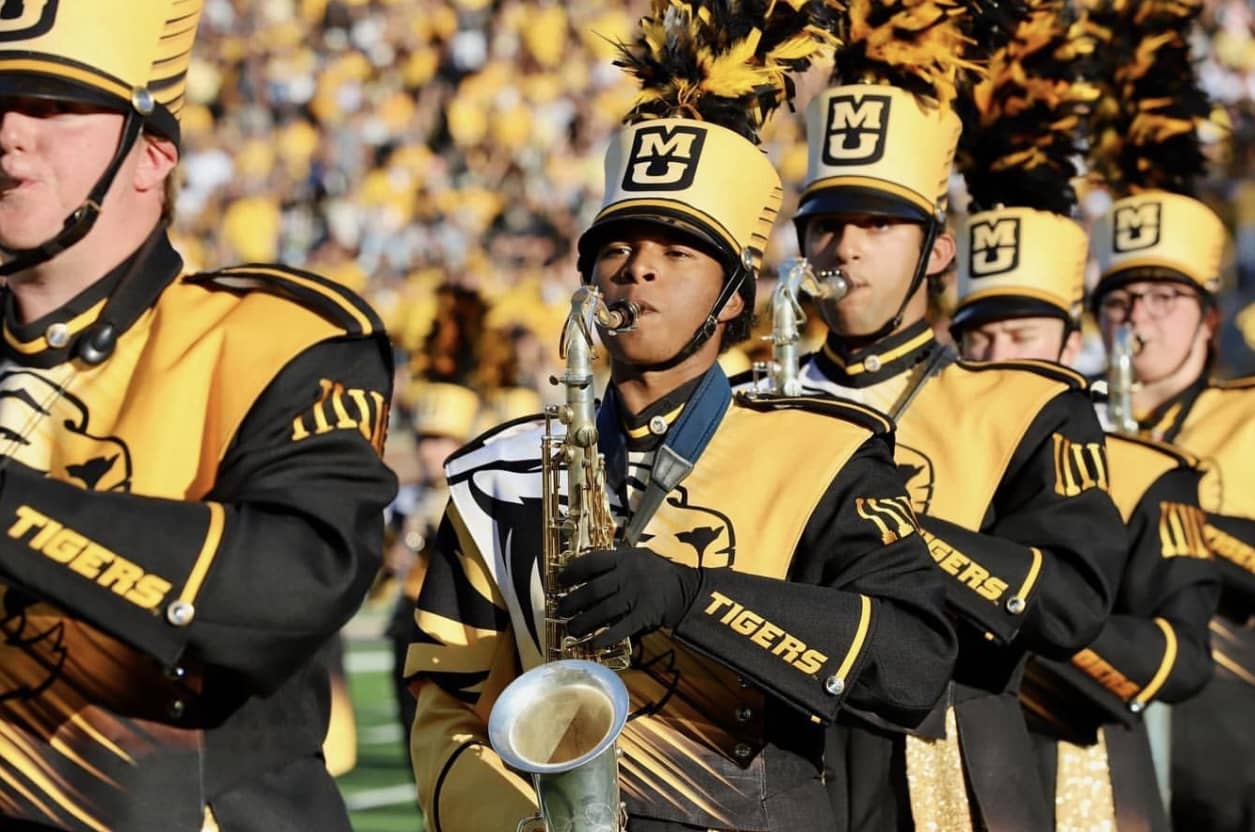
1184	458
329	299
495	432
1243	383
866	417
1047	369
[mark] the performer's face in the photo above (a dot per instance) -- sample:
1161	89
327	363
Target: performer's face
1169	320
51	153
1041	338
878	255
674	282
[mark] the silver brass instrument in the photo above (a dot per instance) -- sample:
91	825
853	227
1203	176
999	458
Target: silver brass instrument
1121	380
787	319
559	722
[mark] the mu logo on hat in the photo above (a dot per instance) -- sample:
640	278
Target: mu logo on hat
26	18
855	129
995	246
664	158
1136	226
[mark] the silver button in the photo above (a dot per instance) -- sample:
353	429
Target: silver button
742	751
744	714
835	685
872	363
180	613
176	708
658	426
57	335
175	673
1137	707
1015	605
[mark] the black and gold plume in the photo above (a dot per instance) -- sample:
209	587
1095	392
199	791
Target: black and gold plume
926	47
723	61
1145	130
1021	136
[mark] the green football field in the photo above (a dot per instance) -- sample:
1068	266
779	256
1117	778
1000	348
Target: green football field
379	791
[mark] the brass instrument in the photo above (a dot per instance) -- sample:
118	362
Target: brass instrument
559	722
1121	380
796	275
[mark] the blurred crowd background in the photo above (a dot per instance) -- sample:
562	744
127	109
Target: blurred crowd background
442	156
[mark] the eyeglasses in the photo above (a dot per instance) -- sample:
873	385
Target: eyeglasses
1118	305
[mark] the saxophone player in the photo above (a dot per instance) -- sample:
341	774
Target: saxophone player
1005	463
1159	249
1021	282
767	565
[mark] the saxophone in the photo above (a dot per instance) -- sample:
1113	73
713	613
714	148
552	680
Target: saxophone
1121	379
560	721
787	318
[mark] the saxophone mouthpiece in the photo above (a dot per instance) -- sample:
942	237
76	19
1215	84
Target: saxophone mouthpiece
833	285
619	316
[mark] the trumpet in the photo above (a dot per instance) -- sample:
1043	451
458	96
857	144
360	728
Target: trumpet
560	722
787	319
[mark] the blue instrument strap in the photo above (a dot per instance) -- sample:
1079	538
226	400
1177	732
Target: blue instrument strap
676	456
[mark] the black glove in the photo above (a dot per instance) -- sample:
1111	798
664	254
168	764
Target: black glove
632	591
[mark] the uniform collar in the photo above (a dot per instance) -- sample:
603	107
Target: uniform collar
880	361
127	291
643	431
1164	423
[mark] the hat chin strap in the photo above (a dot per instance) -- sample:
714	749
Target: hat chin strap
730	287
84	217
921	269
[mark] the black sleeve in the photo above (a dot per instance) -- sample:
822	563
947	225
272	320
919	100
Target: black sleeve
1232	541
861	618
1155	645
1044	568
266	567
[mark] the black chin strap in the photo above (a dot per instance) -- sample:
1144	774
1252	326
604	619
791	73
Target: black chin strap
708	327
921	270
84	217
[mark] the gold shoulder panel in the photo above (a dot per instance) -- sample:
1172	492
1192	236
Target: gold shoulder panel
866	417
1045	369
1136	464
327	298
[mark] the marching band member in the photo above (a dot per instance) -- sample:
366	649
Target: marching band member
1005	463
1021	283
766	566
1160	250
191	487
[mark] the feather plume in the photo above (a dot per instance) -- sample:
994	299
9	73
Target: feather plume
927	47
1145	130
724	61
1020	137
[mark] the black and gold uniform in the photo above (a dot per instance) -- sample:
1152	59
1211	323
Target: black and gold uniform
1084	713
1007	470
815	598
191	495
1005	463
1022	256
1148	150
807	587
1213	773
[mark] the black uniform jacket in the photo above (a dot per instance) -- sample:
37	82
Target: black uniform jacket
185	524
1155	645
1006	466
816	593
